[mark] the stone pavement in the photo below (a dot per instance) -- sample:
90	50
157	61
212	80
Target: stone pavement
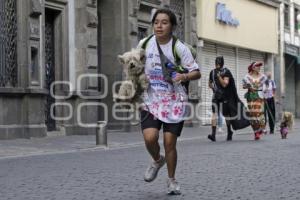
67	144
70	168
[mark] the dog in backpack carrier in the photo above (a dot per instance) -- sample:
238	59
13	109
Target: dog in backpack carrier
286	124
135	80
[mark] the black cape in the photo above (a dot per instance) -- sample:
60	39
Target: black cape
235	108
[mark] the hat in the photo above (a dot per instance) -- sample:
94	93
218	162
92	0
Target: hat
254	64
257	64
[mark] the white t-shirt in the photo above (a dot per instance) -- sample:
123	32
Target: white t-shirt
268	89
256	83
166	101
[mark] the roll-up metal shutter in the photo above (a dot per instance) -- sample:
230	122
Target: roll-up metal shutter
208	63
229	58
209	53
242	68
236	61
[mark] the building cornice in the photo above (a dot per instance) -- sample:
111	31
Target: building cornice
273	3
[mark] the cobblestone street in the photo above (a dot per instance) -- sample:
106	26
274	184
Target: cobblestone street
81	80
241	169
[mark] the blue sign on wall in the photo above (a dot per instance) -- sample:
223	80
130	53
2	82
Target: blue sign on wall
223	15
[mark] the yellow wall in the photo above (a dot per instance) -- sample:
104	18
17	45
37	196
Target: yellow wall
258	27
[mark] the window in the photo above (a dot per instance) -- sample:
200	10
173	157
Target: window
34	64
286	16
296	13
142	33
8	43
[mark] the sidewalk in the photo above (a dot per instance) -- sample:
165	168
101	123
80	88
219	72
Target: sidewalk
75	143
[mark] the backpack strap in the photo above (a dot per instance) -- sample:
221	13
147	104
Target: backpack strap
178	61
144	45
175	54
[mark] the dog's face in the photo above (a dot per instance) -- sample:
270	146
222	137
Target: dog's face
133	61
289	118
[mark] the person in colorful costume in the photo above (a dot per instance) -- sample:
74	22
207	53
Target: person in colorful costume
254	81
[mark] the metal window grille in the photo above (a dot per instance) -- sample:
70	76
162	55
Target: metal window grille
8	43
177	6
49	67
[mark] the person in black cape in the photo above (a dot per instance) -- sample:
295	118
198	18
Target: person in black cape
225	100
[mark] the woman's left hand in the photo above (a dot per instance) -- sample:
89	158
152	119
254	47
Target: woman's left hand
179	78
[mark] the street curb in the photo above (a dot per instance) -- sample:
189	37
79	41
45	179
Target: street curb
110	147
113	146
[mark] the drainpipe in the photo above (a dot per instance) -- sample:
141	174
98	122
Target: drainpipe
281	51
292	21
99	37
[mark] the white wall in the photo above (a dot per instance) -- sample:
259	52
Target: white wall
258	29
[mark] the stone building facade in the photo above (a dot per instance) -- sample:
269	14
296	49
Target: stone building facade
288	72
47	47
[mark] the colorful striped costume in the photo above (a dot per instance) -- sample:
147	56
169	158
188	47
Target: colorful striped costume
255	100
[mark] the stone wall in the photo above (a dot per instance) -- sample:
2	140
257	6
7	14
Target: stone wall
23	106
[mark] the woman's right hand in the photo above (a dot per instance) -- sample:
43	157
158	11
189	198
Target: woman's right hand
251	89
246	86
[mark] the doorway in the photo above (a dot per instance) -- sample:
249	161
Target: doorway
51	63
290	84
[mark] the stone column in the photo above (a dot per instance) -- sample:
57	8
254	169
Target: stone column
86	22
84	67
35	50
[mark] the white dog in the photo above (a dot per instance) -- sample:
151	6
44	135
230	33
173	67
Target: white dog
135	79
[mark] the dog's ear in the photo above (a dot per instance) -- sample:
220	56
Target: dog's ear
121	59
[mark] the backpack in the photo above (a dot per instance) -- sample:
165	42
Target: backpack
175	54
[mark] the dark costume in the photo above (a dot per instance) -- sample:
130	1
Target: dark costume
227	101
284	129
